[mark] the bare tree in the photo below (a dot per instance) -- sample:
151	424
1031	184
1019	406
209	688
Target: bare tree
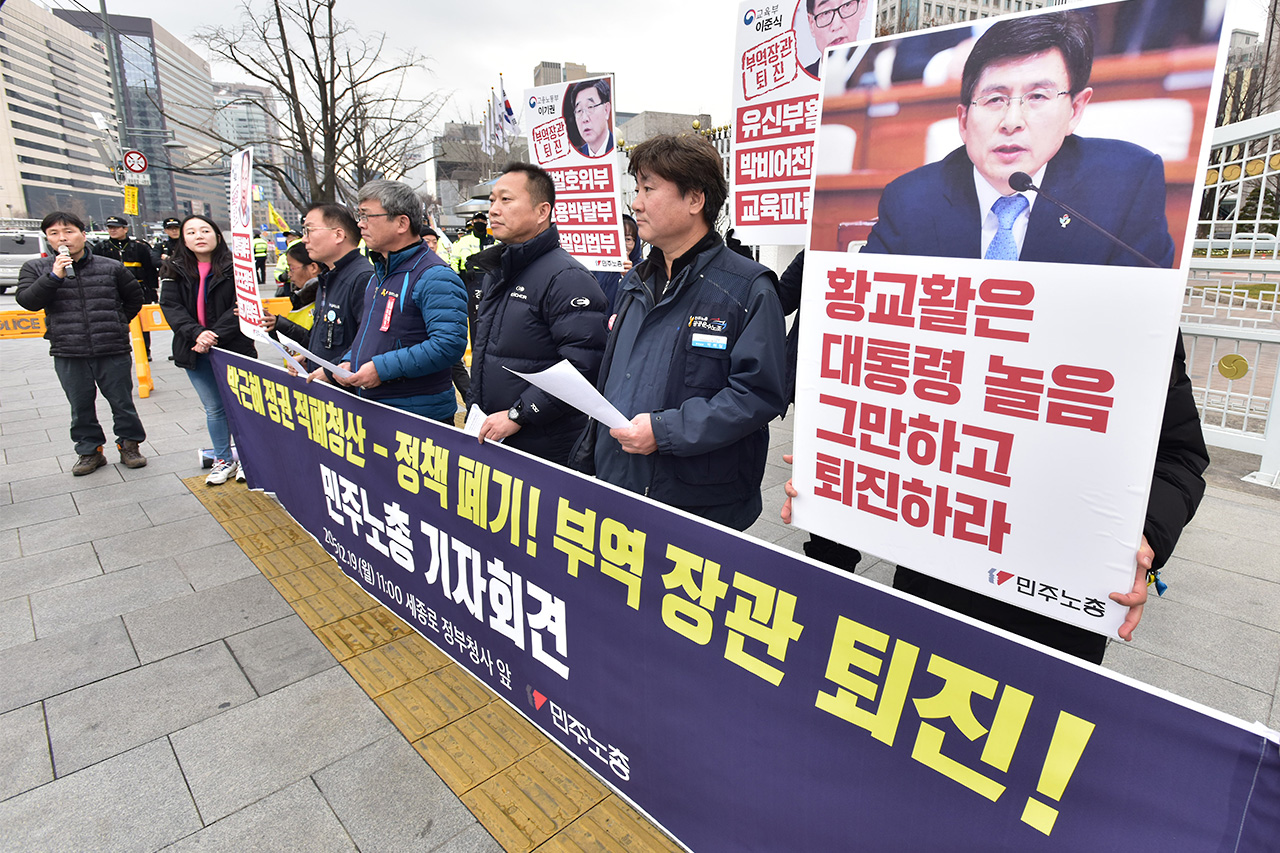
346	117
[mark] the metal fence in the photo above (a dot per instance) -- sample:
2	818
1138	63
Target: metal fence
1230	321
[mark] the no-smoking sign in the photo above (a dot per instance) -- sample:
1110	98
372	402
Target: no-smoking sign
135	161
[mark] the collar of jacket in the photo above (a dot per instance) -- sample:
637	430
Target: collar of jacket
655	266
517	256
341	262
387	264
79	264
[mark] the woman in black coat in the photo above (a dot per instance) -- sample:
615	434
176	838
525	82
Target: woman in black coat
198	296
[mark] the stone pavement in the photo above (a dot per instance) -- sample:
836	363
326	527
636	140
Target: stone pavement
158	692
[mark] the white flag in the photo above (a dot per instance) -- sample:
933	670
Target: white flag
508	114
486	134
499	122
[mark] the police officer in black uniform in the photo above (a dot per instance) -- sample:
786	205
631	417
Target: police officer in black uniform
164	248
136	257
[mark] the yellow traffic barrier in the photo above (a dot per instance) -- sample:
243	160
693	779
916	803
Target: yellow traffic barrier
30	324
151	319
21	324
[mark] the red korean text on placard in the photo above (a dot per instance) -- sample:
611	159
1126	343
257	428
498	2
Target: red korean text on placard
769	65
778	119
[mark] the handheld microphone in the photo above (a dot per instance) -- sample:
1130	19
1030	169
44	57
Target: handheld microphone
64	252
1021	182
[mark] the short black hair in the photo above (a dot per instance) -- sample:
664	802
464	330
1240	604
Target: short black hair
337	216
1067	32
541	187
689	162
61	217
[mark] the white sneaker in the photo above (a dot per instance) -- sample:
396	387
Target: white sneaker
223	470
239	473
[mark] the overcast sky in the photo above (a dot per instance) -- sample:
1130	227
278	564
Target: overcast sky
667	55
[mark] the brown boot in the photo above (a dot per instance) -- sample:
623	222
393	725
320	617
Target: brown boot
129	455
88	463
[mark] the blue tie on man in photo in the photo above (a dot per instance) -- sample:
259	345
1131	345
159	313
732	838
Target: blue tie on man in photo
1007	209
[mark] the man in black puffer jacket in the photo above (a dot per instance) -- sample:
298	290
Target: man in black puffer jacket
88	302
538	307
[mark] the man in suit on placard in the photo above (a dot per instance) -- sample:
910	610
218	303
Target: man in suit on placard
1023	92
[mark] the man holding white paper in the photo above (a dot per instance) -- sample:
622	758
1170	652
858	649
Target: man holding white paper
696	355
540	306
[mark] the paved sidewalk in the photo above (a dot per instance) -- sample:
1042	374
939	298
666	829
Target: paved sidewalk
157	692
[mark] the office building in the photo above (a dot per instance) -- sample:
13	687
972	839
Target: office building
54	78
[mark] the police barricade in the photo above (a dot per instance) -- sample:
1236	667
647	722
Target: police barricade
741	696
30	324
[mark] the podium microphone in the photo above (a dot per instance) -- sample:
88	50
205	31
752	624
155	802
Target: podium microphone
1021	182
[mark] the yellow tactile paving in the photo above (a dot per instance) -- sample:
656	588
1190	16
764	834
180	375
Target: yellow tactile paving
611	825
360	633
479	745
304	582
292	559
528	793
433	701
332	605
527	803
393	665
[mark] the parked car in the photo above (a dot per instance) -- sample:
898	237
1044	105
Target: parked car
16	248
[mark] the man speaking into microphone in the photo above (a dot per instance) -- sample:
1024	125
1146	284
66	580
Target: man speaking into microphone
1024	89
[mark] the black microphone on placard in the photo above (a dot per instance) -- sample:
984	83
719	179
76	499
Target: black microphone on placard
69	271
1021	182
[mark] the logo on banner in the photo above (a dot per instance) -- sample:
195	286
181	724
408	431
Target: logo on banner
749	18
1055	595
576	730
533	101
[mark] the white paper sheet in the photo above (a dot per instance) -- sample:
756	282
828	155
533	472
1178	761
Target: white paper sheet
294	346
564	382
475	418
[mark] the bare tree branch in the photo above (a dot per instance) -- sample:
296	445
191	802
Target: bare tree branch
346	118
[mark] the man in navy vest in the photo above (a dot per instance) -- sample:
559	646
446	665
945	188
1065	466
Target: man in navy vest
696	357
415	310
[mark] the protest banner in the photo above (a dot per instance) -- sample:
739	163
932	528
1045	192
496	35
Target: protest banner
743	697
248	300
775	107
572	137
985	413
249	307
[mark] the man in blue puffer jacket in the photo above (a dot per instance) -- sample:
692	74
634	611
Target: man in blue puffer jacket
415	310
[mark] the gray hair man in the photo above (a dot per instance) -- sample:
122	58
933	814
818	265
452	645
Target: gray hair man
415	310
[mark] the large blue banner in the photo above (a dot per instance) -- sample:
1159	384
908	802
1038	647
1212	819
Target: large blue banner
743	697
